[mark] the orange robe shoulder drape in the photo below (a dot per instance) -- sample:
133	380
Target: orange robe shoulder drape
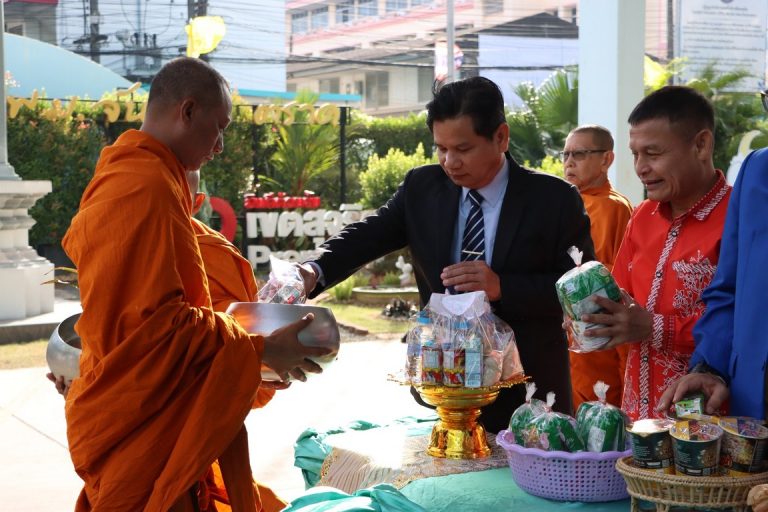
165	382
230	279
609	213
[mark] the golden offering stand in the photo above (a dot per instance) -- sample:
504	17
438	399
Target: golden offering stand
458	434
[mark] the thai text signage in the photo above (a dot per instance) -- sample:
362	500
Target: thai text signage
315	224
134	111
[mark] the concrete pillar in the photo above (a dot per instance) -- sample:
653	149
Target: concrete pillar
22	271
611	50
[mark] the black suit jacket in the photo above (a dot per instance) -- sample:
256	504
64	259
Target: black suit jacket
541	217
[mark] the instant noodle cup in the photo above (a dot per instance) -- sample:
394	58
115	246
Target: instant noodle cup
696	446
744	446
576	291
652	445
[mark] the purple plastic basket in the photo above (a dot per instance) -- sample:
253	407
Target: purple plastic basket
563	476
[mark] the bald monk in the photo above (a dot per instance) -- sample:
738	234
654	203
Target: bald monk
587	155
165	382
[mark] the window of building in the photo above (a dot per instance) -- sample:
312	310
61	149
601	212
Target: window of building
345	12
329	85
397	5
299	22
377	89
426	77
493	6
414	3
319	19
15	28
367	8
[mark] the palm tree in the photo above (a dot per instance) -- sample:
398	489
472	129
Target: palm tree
550	111
303	151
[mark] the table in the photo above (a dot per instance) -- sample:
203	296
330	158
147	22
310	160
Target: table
364	454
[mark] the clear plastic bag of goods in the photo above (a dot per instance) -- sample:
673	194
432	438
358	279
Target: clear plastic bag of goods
524	414
576	291
285	284
553	431
601	425
478	348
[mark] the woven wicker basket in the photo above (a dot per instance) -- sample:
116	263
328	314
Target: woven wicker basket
687	491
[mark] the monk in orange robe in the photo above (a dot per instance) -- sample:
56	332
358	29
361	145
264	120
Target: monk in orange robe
165	381
587	155
230	279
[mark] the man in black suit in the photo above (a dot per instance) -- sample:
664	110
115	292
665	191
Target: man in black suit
529	220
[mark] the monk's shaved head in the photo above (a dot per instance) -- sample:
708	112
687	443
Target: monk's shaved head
183	78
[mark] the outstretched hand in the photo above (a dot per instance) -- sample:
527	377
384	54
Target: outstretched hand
287	356
624	321
709	384
309	276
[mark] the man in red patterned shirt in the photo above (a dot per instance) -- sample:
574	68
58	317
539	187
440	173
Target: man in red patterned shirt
670	249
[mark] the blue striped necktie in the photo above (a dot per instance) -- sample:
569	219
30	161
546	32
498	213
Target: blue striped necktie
473	243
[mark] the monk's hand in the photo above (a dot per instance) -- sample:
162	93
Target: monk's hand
62	386
472	276
309	275
287	356
277	385
624	322
711	385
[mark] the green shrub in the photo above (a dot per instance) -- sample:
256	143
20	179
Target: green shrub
549	165
391	279
384	133
342	292
384	175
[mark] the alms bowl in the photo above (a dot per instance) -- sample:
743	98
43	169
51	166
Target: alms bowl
264	318
63	351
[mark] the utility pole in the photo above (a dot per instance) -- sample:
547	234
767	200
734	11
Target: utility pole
197	8
450	42
95	19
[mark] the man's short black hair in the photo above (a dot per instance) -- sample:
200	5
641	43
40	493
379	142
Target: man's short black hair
476	97
686	109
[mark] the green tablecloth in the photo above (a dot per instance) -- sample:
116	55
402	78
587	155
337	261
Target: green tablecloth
491	490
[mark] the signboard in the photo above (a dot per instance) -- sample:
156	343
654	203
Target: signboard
318	225
729	33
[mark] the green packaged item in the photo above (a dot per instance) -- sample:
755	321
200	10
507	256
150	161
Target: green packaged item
523	415
553	431
691	405
576	290
600	424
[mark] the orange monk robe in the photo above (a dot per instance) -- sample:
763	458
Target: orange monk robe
166	382
230	279
609	213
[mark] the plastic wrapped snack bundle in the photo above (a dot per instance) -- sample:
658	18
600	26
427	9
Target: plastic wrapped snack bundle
553	431
600	424
285	285
422	327
576	290
523	415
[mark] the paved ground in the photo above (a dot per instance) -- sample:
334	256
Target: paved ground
36	473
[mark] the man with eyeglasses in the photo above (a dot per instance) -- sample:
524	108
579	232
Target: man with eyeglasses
731	342
587	155
671	246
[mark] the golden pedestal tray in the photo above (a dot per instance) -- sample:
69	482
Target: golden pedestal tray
458	434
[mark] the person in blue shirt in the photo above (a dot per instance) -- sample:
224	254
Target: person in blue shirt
731	353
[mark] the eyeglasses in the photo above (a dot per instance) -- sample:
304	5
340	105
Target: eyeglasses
764	99
581	154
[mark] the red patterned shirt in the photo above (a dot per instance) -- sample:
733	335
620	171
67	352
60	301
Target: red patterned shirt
665	263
